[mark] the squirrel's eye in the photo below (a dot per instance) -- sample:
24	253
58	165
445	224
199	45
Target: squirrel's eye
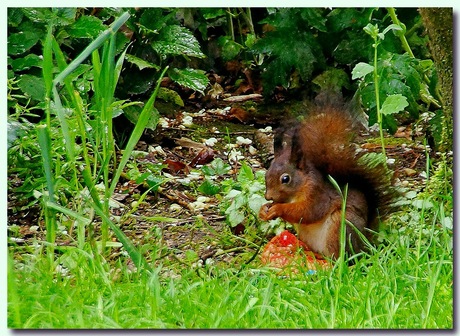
285	178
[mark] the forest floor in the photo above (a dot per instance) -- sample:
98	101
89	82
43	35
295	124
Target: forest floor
179	219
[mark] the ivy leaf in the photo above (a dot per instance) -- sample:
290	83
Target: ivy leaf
341	18
217	167
235	217
87	27
59	16
133	112
154	19
332	80
234	212
15	16
407	67
190	78
354	46
32	86
169	95
361	70
230	49
315	17
19	43
140	63
288	50
212	13
31	60
176	40
394	104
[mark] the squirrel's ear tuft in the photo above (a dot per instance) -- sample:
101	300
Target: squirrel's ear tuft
283	137
296	154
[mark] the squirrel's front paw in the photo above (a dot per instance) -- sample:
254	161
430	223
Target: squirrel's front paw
263	212
268	212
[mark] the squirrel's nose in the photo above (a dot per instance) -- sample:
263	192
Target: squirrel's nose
268	196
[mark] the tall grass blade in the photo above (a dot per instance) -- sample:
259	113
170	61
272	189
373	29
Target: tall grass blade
47	70
91	47
44	141
144	118
75	99
135	255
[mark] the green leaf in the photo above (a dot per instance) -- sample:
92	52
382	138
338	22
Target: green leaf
44	140
190	78
154	19
288	50
372	30
229	48
394	104
245	175
354	46
212	13
361	70
19	43
27	62
341	18
391	27
37	14
149	115
250	40
235	217
209	188
15	16
169	95
134	111
332	80
217	168
87	27
32	86
255	202
409	68
176	40
58	16
15	130
315	17
140	63
191	255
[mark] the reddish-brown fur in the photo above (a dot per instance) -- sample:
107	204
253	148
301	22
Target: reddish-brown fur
307	154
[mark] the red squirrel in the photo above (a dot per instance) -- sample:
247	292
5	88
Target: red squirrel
297	182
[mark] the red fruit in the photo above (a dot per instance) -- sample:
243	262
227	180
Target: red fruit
282	251
286	239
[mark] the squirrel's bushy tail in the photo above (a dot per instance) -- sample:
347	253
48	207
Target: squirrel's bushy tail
324	139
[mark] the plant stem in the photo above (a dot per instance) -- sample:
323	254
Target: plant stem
377	95
400	33
230	23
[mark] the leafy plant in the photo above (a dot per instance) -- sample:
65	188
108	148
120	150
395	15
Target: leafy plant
243	199
216	168
399	81
150	175
96	137
291	51
160	41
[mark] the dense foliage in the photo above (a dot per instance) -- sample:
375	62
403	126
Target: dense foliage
75	75
294	49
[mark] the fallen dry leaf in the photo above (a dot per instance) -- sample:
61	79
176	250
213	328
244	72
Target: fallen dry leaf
205	156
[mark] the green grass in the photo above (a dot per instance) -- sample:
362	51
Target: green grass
399	286
406	283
